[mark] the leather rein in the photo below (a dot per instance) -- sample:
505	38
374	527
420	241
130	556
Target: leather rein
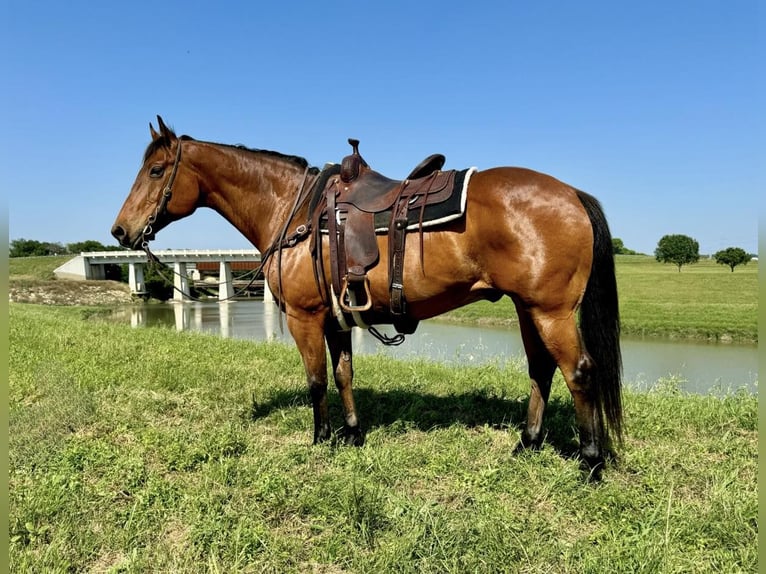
281	241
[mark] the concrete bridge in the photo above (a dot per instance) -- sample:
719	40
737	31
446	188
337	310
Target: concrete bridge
91	265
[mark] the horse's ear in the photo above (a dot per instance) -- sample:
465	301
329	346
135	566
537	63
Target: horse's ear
164	130
155	135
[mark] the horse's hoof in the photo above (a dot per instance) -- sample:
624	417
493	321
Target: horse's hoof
592	471
527	444
352	436
592	463
322	435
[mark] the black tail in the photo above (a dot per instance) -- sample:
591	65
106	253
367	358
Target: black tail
600	323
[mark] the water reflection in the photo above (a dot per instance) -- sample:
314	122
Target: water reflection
703	367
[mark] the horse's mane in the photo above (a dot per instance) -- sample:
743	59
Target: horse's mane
297	160
164	141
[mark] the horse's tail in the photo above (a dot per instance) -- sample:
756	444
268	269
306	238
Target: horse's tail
600	323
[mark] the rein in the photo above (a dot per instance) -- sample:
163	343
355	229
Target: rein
301	232
282	240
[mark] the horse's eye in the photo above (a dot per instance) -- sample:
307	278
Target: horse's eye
157	171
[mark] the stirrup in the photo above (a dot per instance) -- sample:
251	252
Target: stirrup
355	308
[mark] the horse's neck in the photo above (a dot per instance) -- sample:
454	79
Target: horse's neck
253	191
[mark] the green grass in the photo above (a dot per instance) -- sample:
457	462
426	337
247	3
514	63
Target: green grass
704	301
150	450
35	267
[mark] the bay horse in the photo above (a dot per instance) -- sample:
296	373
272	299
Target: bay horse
524	234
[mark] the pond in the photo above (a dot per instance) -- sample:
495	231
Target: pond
700	367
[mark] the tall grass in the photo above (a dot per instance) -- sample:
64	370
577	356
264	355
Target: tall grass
150	450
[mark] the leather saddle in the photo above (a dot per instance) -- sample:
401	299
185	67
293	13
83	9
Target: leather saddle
352	198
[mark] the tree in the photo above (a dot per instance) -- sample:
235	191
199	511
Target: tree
89	245
732	256
677	249
32	248
618	247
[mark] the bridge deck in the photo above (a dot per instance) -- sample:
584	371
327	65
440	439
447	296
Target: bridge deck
172	256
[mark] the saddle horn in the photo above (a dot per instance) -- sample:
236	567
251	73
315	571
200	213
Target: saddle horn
352	164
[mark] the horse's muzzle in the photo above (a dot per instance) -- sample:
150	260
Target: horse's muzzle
119	233
124	238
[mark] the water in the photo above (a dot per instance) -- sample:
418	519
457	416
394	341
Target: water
700	367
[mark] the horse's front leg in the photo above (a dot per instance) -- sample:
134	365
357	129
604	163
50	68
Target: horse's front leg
308	332
341	355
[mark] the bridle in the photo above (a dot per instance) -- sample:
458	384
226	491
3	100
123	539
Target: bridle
282	240
162	206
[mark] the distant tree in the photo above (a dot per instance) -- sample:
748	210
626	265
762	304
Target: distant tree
732	256
677	249
33	248
55	249
618	247
89	245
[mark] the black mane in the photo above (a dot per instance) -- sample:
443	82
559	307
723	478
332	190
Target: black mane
164	141
297	160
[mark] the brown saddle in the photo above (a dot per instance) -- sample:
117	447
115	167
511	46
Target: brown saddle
352	198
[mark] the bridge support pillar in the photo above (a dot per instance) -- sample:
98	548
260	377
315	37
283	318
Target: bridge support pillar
268	296
225	282
136	278
180	282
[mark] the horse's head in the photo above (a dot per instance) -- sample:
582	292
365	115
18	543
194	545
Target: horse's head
162	192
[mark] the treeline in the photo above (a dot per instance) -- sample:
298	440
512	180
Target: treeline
34	248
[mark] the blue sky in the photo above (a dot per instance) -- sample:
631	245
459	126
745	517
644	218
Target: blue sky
656	108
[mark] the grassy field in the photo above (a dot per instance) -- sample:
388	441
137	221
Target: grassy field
35	268
704	301
150	450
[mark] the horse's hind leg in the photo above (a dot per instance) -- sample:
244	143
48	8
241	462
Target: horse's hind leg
562	339
541	369
341	356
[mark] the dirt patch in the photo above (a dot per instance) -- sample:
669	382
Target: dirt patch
62	292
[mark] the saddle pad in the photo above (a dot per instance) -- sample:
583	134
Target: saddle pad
434	214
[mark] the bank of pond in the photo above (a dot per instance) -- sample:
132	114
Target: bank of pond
692	366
